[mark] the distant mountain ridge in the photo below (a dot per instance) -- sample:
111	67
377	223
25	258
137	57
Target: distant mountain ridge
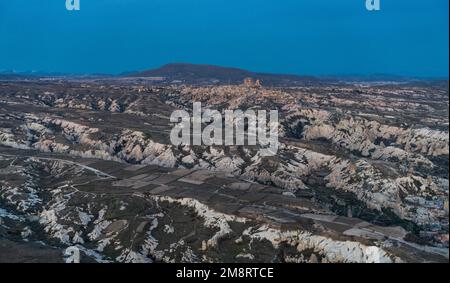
198	73
13	74
212	74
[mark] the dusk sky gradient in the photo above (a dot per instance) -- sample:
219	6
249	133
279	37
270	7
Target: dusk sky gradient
306	37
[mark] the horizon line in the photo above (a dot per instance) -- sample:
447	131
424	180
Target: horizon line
124	73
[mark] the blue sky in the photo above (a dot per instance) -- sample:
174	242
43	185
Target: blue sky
314	37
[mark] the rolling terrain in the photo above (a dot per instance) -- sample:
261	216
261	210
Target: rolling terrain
361	174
